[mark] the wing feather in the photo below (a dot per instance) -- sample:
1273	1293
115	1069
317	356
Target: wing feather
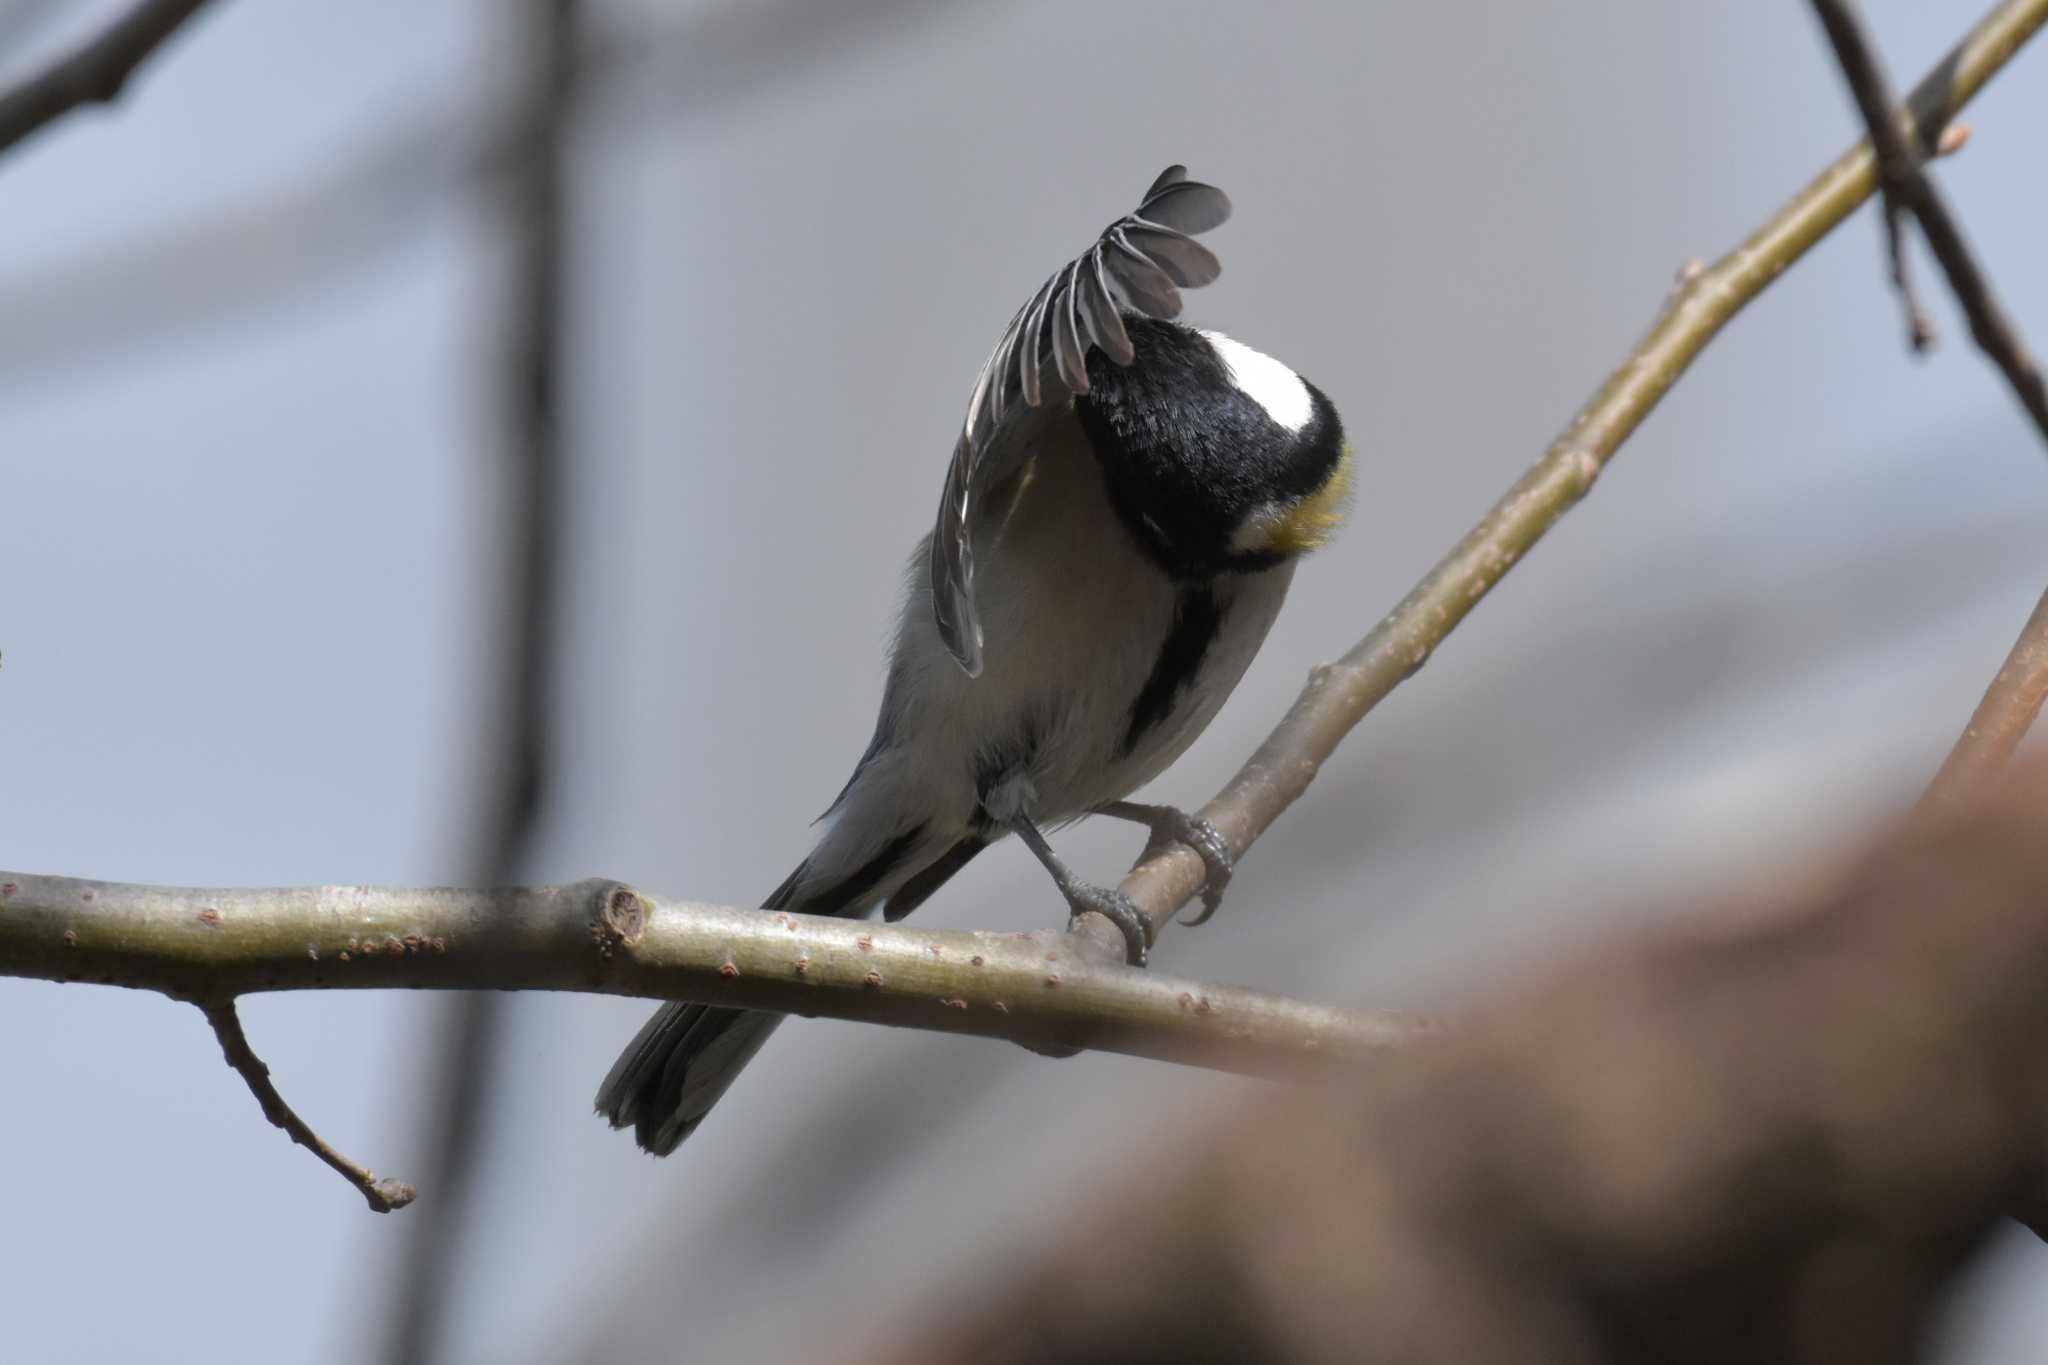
1139	264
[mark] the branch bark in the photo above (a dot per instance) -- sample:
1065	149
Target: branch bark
605	937
94	74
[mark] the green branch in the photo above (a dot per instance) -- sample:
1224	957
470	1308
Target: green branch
605	937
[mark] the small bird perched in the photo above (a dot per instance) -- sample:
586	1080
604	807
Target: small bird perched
1123	513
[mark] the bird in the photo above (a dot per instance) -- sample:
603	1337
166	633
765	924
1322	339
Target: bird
1125	507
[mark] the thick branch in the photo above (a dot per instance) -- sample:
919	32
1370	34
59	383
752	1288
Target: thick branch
96	72
604	937
2001	719
1907	187
1771	1135
383	1195
1339	695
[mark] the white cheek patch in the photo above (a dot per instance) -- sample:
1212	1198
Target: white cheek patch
1266	381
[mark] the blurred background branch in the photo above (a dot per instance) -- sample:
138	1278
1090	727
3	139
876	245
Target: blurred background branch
536	489
680	65
94	74
2001	719
1772	1132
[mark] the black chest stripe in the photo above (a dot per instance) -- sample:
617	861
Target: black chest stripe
1196	619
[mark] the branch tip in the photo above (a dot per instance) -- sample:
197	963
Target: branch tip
382	1195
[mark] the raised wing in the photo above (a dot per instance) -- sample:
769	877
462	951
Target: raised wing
1139	264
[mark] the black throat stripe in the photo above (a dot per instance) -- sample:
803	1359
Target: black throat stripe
1196	619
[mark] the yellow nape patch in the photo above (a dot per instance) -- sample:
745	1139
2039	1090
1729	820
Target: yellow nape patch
1308	522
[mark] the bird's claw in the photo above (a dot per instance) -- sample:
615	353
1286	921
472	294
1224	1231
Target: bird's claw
1217	859
1086	898
1174	824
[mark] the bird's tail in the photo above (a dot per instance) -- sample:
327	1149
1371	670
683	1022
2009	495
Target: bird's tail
670	1075
676	1067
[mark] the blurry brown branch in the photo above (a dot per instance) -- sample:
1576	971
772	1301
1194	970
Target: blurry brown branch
459	1082
96	72
1907	188
383	1195
1769	1133
1339	695
2001	719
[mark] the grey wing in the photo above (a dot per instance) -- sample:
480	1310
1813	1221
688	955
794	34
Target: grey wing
1139	264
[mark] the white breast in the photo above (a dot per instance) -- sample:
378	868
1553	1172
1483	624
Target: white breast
1074	615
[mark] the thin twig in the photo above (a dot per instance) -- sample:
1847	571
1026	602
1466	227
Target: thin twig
604	937
1339	695
1897	160
1906	184
674	66
383	1195
96	72
2014	697
2001	719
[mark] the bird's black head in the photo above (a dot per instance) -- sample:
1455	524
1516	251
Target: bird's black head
1217	458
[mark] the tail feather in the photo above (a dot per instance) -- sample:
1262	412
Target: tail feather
683	1060
666	1081
669	1076
919	888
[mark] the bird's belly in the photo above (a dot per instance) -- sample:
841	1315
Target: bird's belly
1109	699
1091	684
1247	606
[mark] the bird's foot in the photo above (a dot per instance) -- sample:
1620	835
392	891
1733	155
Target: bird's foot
1170	822
1086	897
1113	905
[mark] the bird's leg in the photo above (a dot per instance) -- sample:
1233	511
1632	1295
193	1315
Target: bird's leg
1082	897
1169	822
